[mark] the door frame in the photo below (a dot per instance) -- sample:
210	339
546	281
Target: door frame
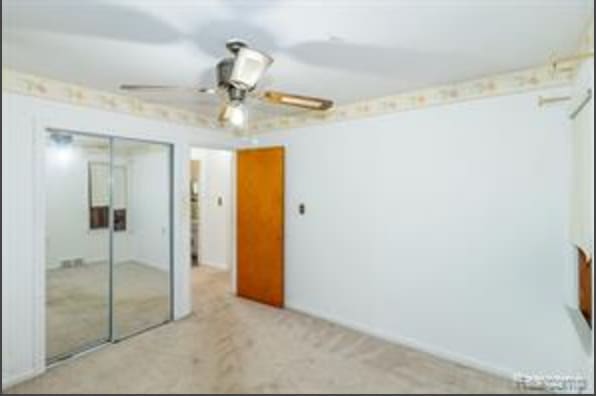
231	250
232	238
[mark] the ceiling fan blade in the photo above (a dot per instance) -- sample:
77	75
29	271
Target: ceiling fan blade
295	100
155	88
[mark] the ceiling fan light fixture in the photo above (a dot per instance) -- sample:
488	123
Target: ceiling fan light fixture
249	67
234	114
238	116
61	139
237	77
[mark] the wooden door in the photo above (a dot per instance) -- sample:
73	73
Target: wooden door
260	225
585	286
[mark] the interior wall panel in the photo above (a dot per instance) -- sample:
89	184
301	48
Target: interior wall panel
19	338
445	229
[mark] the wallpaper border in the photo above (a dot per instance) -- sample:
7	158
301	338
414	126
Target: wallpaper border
504	84
32	85
499	85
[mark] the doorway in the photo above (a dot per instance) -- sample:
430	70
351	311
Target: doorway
195	182
108	239
247	186
211	208
212	204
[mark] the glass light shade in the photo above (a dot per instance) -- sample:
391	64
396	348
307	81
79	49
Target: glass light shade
234	114
238	115
249	67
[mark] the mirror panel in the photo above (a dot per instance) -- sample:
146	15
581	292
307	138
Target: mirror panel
141	196
77	255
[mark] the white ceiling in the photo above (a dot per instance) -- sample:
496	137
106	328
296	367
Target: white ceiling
347	50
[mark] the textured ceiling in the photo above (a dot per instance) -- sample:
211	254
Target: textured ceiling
347	50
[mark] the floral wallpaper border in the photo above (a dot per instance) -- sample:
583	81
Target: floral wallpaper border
510	83
587	40
32	85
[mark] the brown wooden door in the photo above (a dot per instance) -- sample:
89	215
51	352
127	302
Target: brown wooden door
260	225
585	286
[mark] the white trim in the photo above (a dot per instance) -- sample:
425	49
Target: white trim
180	231
8	382
208	264
582	329
39	253
590	368
233	230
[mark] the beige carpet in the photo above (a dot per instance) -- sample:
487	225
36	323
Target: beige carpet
231	345
77	303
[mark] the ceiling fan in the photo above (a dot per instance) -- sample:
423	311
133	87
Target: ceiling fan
237	79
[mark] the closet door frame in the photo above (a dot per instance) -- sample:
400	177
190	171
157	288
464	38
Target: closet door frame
40	216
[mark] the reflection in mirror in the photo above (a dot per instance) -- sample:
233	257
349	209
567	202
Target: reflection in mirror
141	196
99	195
77	257
107	272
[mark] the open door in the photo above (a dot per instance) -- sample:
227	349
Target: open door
260	225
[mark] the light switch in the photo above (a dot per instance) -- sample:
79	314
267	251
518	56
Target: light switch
301	209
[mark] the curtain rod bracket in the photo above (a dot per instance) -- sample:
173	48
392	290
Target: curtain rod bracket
581	105
542	101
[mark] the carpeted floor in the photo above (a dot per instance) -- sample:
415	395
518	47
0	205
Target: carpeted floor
231	345
77	303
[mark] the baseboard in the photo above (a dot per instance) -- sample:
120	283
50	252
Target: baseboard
8	382
91	261
145	263
590	388
214	265
411	343
583	330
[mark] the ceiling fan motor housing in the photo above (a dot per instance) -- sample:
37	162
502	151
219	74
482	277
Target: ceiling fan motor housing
224	71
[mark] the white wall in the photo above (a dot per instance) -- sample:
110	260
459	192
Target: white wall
146	239
150	208
67	203
215	220
23	213
582	213
444	228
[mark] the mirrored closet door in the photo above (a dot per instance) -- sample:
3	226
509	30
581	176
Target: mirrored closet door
108	239
141	240
77	243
